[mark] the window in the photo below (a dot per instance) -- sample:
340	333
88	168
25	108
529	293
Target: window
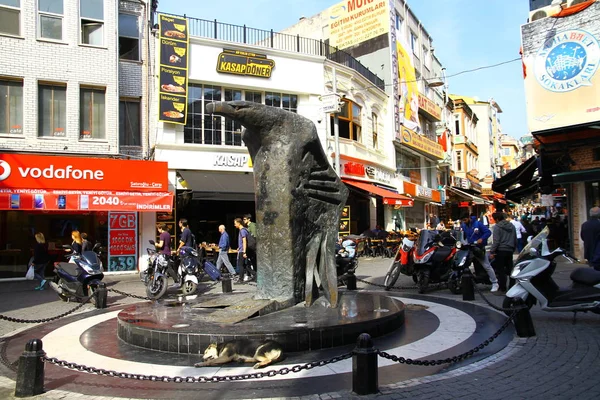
457	124
595	152
409	166
426	57
129	123
375	129
413	43
459	163
92	113
92	22
50	24
52	110
129	37
203	128
398	22
349	121
11	107
10	17
507	151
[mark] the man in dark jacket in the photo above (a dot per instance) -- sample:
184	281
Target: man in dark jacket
504	243
476	232
590	234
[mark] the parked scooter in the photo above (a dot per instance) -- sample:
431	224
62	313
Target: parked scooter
432	258
157	275
190	271
533	274
346	260
403	262
79	277
465	258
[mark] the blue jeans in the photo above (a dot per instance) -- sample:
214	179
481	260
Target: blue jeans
520	245
38	271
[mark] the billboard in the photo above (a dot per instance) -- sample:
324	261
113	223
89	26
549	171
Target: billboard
352	22
561	57
407	89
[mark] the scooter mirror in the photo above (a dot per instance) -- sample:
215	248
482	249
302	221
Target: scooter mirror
152	242
533	252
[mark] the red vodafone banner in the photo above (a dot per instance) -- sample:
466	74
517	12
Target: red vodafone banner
84	200
29	171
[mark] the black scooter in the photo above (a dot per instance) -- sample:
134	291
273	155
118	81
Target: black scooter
465	259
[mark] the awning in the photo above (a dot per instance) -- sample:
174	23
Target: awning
388	196
577	176
522	191
522	174
467	196
83	200
217	185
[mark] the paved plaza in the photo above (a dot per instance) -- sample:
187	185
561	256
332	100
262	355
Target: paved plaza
559	363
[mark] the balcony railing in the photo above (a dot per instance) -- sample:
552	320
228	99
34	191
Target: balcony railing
279	41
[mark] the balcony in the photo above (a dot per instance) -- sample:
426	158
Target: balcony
279	41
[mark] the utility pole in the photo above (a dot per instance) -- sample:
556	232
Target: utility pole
336	131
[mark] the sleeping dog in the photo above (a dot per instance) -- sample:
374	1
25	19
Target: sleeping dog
242	350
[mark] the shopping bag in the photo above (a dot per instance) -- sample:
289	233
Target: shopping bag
30	273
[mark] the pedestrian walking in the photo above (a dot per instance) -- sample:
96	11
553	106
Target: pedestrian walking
242	247
590	234
504	243
186	235
224	253
477	233
40	259
520	230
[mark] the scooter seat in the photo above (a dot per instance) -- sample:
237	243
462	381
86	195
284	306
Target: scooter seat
586	276
69	268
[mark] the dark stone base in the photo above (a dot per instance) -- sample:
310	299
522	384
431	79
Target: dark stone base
188	328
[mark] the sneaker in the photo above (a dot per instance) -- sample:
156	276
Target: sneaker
247	278
43	284
495	287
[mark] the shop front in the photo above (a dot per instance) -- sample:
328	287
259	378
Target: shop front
56	195
427	201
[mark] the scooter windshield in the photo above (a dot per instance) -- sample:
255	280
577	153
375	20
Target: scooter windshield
539	243
91	259
426	238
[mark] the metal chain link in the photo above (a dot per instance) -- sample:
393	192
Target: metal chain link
495	307
192	379
84	301
435	286
128	294
449	360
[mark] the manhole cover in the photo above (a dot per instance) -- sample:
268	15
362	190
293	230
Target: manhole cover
416	307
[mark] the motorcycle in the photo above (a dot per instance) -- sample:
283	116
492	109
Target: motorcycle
79	277
189	270
463	260
533	274
402	263
157	275
346	260
432	258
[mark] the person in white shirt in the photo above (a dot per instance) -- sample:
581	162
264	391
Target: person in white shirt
520	231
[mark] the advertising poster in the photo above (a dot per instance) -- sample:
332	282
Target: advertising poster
345	221
561	57
173	69
352	22
407	89
122	246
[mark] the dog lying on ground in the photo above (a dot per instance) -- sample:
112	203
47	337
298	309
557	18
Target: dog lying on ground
242	350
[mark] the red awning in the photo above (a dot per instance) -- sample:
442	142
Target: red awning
388	196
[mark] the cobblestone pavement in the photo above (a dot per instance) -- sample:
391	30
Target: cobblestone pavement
561	362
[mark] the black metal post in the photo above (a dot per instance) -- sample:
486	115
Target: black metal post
244	33
30	373
298	43
215	28
365	378
226	283
467	285
271	38
101	295
524	323
350	280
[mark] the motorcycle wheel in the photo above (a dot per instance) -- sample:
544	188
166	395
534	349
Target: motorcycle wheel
90	292
423	281
415	278
188	288
144	276
510	302
155	290
392	276
454	285
64	297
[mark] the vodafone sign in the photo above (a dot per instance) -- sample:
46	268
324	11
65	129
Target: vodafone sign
24	171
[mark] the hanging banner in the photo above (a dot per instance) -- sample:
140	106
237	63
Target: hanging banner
173	69
83	200
122	237
408	89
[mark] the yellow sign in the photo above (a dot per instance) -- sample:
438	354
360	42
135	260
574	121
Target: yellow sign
173	69
244	63
417	142
430	107
352	22
407	89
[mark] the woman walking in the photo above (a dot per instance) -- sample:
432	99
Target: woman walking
40	259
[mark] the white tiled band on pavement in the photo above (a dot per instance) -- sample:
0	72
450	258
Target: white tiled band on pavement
64	343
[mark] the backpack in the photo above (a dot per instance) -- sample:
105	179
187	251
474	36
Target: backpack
250	241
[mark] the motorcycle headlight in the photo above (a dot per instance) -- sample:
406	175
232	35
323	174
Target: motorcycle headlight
422	260
405	248
459	245
516	271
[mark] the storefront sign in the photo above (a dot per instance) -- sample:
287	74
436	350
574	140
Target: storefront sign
430	107
352	22
352	168
83	200
238	62
464	204
422	191
398	203
122	246
421	143
26	171
173	69
232	160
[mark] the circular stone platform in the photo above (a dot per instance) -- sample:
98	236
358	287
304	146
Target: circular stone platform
189	327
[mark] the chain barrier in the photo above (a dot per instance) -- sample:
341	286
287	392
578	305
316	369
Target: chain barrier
450	360
84	301
495	307
435	286
135	296
192	379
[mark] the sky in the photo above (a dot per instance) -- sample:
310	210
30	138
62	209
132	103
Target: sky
466	34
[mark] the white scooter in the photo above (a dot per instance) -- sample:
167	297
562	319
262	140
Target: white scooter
533	274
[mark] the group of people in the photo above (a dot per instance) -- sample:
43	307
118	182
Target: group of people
246	254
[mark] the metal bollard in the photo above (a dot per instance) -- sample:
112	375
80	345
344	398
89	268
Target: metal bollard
101	295
30	373
350	280
524	323
467	285
226	283
365	378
